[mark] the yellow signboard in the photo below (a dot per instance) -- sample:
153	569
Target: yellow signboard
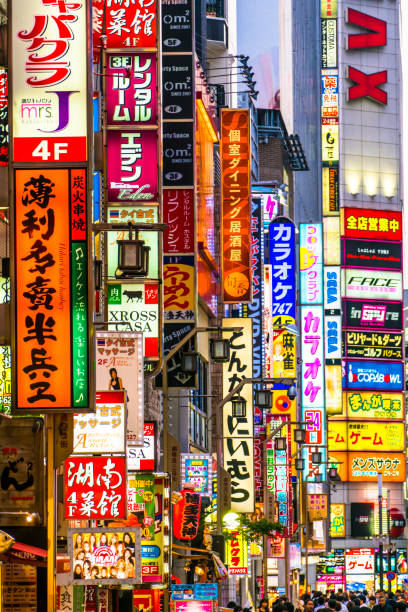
317	506
337	520
329	9
236	553
368	436
373	405
284	354
334	404
330	141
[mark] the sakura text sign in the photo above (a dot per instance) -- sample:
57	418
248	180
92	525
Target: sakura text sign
95	488
49	91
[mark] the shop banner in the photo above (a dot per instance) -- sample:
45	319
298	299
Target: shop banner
131	24
142	457
95	488
178	214
103	431
311	263
332	288
367	467
374	405
282	254
337	520
374	375
132	174
51	354
50	84
372	284
372	224
372	315
368	436
177	26
238	432
178	86
373	254
119	365
373	345
235	152
131	89
196	470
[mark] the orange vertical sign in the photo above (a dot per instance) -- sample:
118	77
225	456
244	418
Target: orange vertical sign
42	289
236	206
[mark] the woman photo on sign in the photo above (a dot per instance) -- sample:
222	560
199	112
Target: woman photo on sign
115	383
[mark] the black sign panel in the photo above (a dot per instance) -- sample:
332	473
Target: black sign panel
373	345
377	316
178	101
172	335
363	254
177	26
362	520
178	154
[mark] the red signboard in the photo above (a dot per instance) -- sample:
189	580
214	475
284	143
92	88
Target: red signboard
178	214
236	207
372	224
131	23
95	488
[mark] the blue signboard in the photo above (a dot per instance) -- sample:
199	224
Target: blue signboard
384	376
282	261
191	592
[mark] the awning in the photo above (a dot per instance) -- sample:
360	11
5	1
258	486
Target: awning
26	554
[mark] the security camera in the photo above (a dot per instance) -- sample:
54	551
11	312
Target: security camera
292	392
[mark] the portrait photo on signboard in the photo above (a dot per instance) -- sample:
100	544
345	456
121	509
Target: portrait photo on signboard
105	556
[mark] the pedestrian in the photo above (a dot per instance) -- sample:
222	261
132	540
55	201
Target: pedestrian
382	605
372	601
263	605
320	604
401	606
231	605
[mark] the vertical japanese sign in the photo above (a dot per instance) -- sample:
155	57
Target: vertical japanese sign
49	95
4	129
178	214
131	23
238	432
283	488
311	263
236	554
95	488
235	154
179	287
119	365
131	89
313	400
51	291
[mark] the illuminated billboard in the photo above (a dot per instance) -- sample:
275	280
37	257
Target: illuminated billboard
330	191
102	431
362	314
311	263
48	40
373	375
372	254
373	345
51	353
330	141
374	405
235	152
371	284
372	224
354	436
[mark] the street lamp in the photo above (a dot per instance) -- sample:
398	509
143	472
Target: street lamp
220	349
300	436
280	444
189	362
263	398
333	473
299	464
133	257
316	457
238	407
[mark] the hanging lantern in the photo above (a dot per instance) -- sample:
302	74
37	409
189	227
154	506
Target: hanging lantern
186	515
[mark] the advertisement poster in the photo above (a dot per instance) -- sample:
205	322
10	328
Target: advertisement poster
375	315
119	366
136	308
384	376
141	503
105	555
372	284
197	470
131	89
373	405
132	166
311	263
103	431
49	98
95	488
353	436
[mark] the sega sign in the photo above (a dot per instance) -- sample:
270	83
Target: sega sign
332	287
374	375
332	339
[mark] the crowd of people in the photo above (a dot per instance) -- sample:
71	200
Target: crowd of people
333	601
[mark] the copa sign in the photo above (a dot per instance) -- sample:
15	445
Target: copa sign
374	375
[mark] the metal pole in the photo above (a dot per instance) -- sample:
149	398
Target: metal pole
306	523
51	501
380	546
389	538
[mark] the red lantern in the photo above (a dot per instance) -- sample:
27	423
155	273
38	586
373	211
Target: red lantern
397	523
187	515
